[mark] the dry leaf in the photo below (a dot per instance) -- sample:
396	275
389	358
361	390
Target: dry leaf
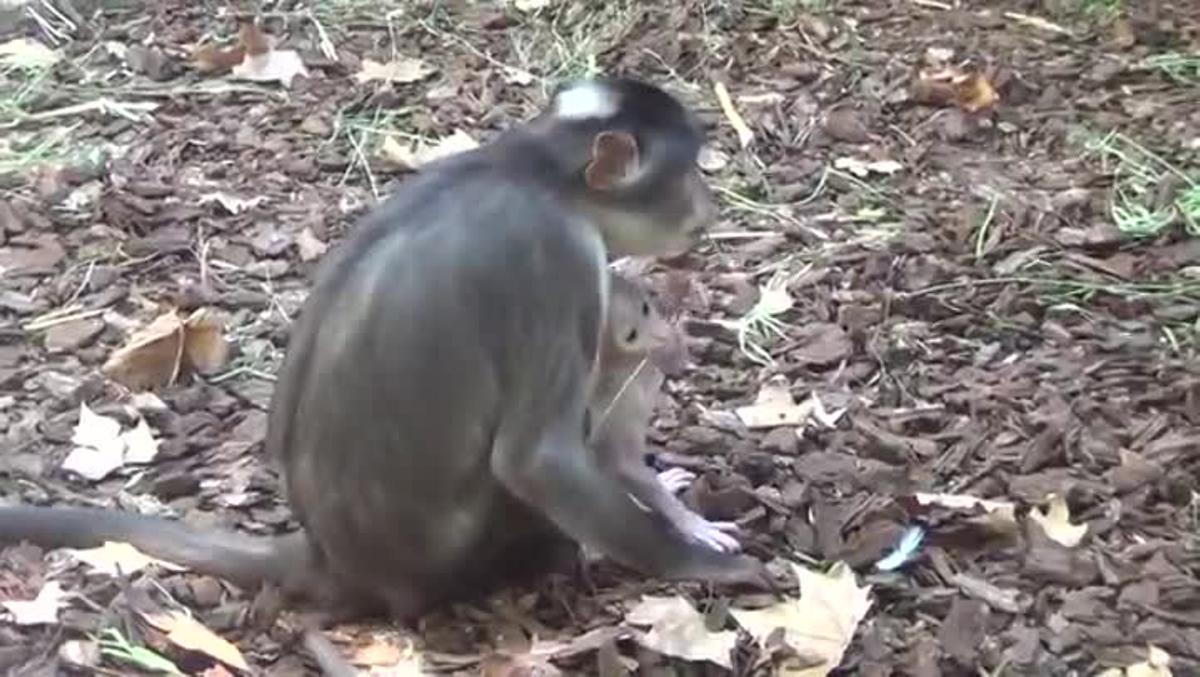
745	135
1056	522
140	445
156	355
972	92
94	430
413	157
774	407
861	168
277	65
204	348
402	70
530	5
251	40
233	204
26	53
818	624
115	559
387	655
677	629
1157	664
310	246
187	633
41	610
100	447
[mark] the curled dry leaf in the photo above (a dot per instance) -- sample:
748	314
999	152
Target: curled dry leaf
26	53
818	625
168	347
677	629
972	92
213	59
1056	522
186	632
401	71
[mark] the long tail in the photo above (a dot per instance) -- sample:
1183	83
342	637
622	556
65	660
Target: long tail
239	558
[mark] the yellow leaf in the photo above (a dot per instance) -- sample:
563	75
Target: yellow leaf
187	633
819	624
677	629
774	406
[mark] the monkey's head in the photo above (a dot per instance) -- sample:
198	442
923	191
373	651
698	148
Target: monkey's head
635	327
628	152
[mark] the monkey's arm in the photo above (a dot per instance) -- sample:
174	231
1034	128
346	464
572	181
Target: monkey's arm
541	458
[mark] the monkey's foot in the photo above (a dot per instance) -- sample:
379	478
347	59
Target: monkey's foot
675	480
716	535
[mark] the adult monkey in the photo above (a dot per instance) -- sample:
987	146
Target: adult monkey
429	414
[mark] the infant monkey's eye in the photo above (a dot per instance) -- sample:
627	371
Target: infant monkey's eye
631	336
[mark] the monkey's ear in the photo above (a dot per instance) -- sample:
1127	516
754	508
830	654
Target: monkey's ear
614	160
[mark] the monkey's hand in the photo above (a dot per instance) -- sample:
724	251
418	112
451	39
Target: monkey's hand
675	480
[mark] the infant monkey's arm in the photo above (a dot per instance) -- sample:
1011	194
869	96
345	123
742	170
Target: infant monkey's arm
634	337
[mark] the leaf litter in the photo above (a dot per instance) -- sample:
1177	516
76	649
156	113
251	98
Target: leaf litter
977	322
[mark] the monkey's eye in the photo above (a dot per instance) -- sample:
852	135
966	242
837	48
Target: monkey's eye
645	308
631	336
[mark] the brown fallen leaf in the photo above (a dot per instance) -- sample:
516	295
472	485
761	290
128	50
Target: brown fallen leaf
970	91
169	346
211	58
187	633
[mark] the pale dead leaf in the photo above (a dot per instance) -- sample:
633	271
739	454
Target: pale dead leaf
677	629
115	559
140	445
41	610
1056	522
773	407
94	430
531	5
744	133
26	53
384	656
187	633
233	204
94	464
863	168
964	502
276	65
413	156
822	415
818	624
402	70
100	447
310	246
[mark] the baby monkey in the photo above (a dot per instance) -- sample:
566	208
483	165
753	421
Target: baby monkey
637	346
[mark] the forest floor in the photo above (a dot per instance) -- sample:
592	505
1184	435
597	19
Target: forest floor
963	236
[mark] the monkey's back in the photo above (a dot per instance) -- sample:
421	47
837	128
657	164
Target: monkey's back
429	326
